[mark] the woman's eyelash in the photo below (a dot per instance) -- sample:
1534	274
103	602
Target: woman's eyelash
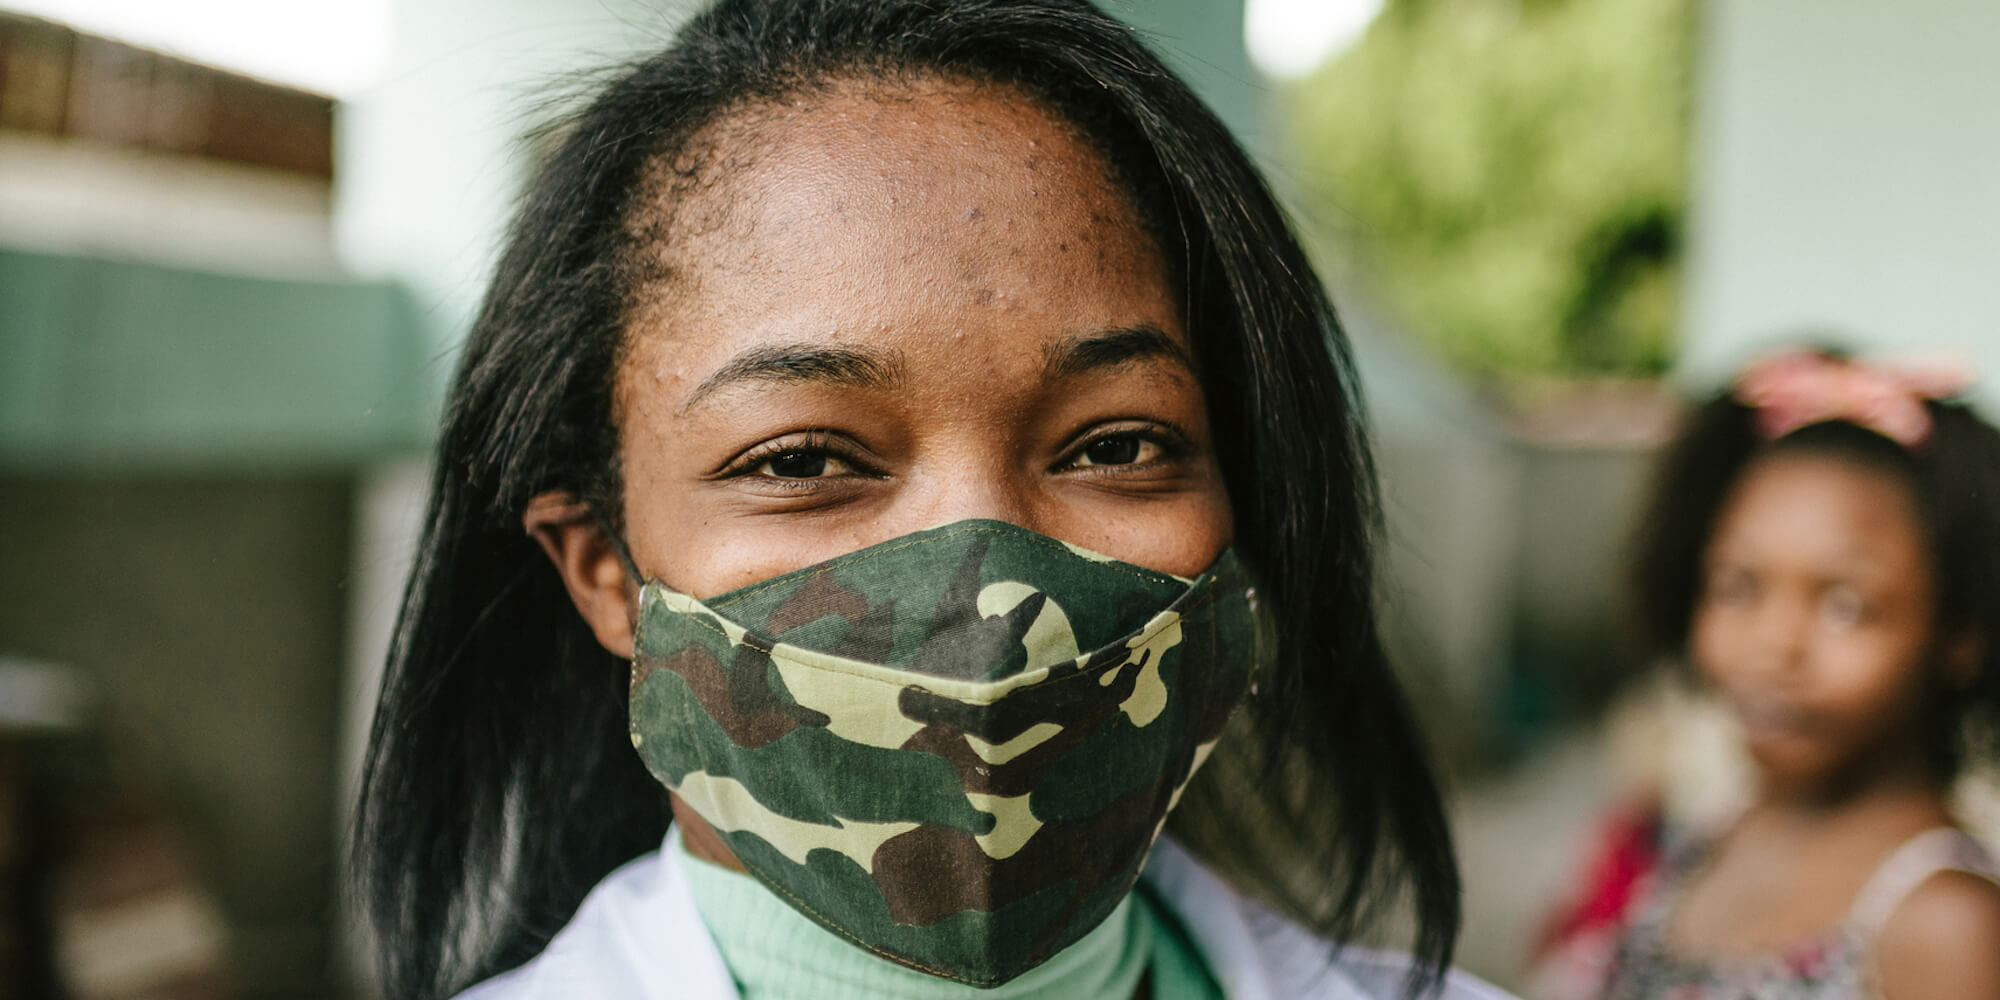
820	443
1171	442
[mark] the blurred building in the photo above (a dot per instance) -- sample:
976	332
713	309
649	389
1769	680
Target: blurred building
191	387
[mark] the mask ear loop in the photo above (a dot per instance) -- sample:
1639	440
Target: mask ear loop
618	545
631	570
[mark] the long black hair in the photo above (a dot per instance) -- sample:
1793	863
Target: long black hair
500	785
1954	479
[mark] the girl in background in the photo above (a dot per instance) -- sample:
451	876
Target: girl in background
1824	548
841	552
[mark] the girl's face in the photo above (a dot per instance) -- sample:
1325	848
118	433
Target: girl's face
1816	619
887	308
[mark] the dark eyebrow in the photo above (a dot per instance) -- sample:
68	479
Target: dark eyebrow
1077	355
804	363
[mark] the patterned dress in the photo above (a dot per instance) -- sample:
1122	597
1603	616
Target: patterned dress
1836	965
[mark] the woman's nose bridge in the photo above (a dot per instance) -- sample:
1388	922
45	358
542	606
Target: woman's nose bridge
991	488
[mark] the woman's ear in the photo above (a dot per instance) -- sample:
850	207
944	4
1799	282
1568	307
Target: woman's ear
589	563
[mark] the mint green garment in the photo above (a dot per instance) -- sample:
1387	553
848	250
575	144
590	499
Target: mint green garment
776	953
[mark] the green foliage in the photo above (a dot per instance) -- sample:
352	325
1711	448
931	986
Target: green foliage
1511	174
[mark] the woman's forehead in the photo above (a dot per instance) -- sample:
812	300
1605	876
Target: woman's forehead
936	210
922	156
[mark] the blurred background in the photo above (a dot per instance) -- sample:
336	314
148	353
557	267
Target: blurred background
239	241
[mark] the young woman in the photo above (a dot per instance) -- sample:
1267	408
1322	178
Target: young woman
905	431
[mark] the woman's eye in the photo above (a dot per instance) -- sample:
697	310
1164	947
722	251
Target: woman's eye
1118	449
801	464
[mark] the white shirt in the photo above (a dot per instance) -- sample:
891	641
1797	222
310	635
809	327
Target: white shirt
637	936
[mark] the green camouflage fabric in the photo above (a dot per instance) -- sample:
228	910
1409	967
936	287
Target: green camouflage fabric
955	748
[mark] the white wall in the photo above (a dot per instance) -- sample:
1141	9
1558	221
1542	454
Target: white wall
1847	174
430	158
63	196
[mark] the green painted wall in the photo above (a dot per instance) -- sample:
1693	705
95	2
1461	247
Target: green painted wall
114	366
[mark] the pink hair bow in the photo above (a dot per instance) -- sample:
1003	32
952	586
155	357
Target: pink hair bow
1795	389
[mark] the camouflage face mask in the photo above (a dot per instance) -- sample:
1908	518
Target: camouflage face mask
955	748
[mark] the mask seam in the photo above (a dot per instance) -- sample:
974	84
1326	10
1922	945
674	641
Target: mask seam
859	558
1196	603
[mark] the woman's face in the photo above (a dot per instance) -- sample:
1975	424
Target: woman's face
900	306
